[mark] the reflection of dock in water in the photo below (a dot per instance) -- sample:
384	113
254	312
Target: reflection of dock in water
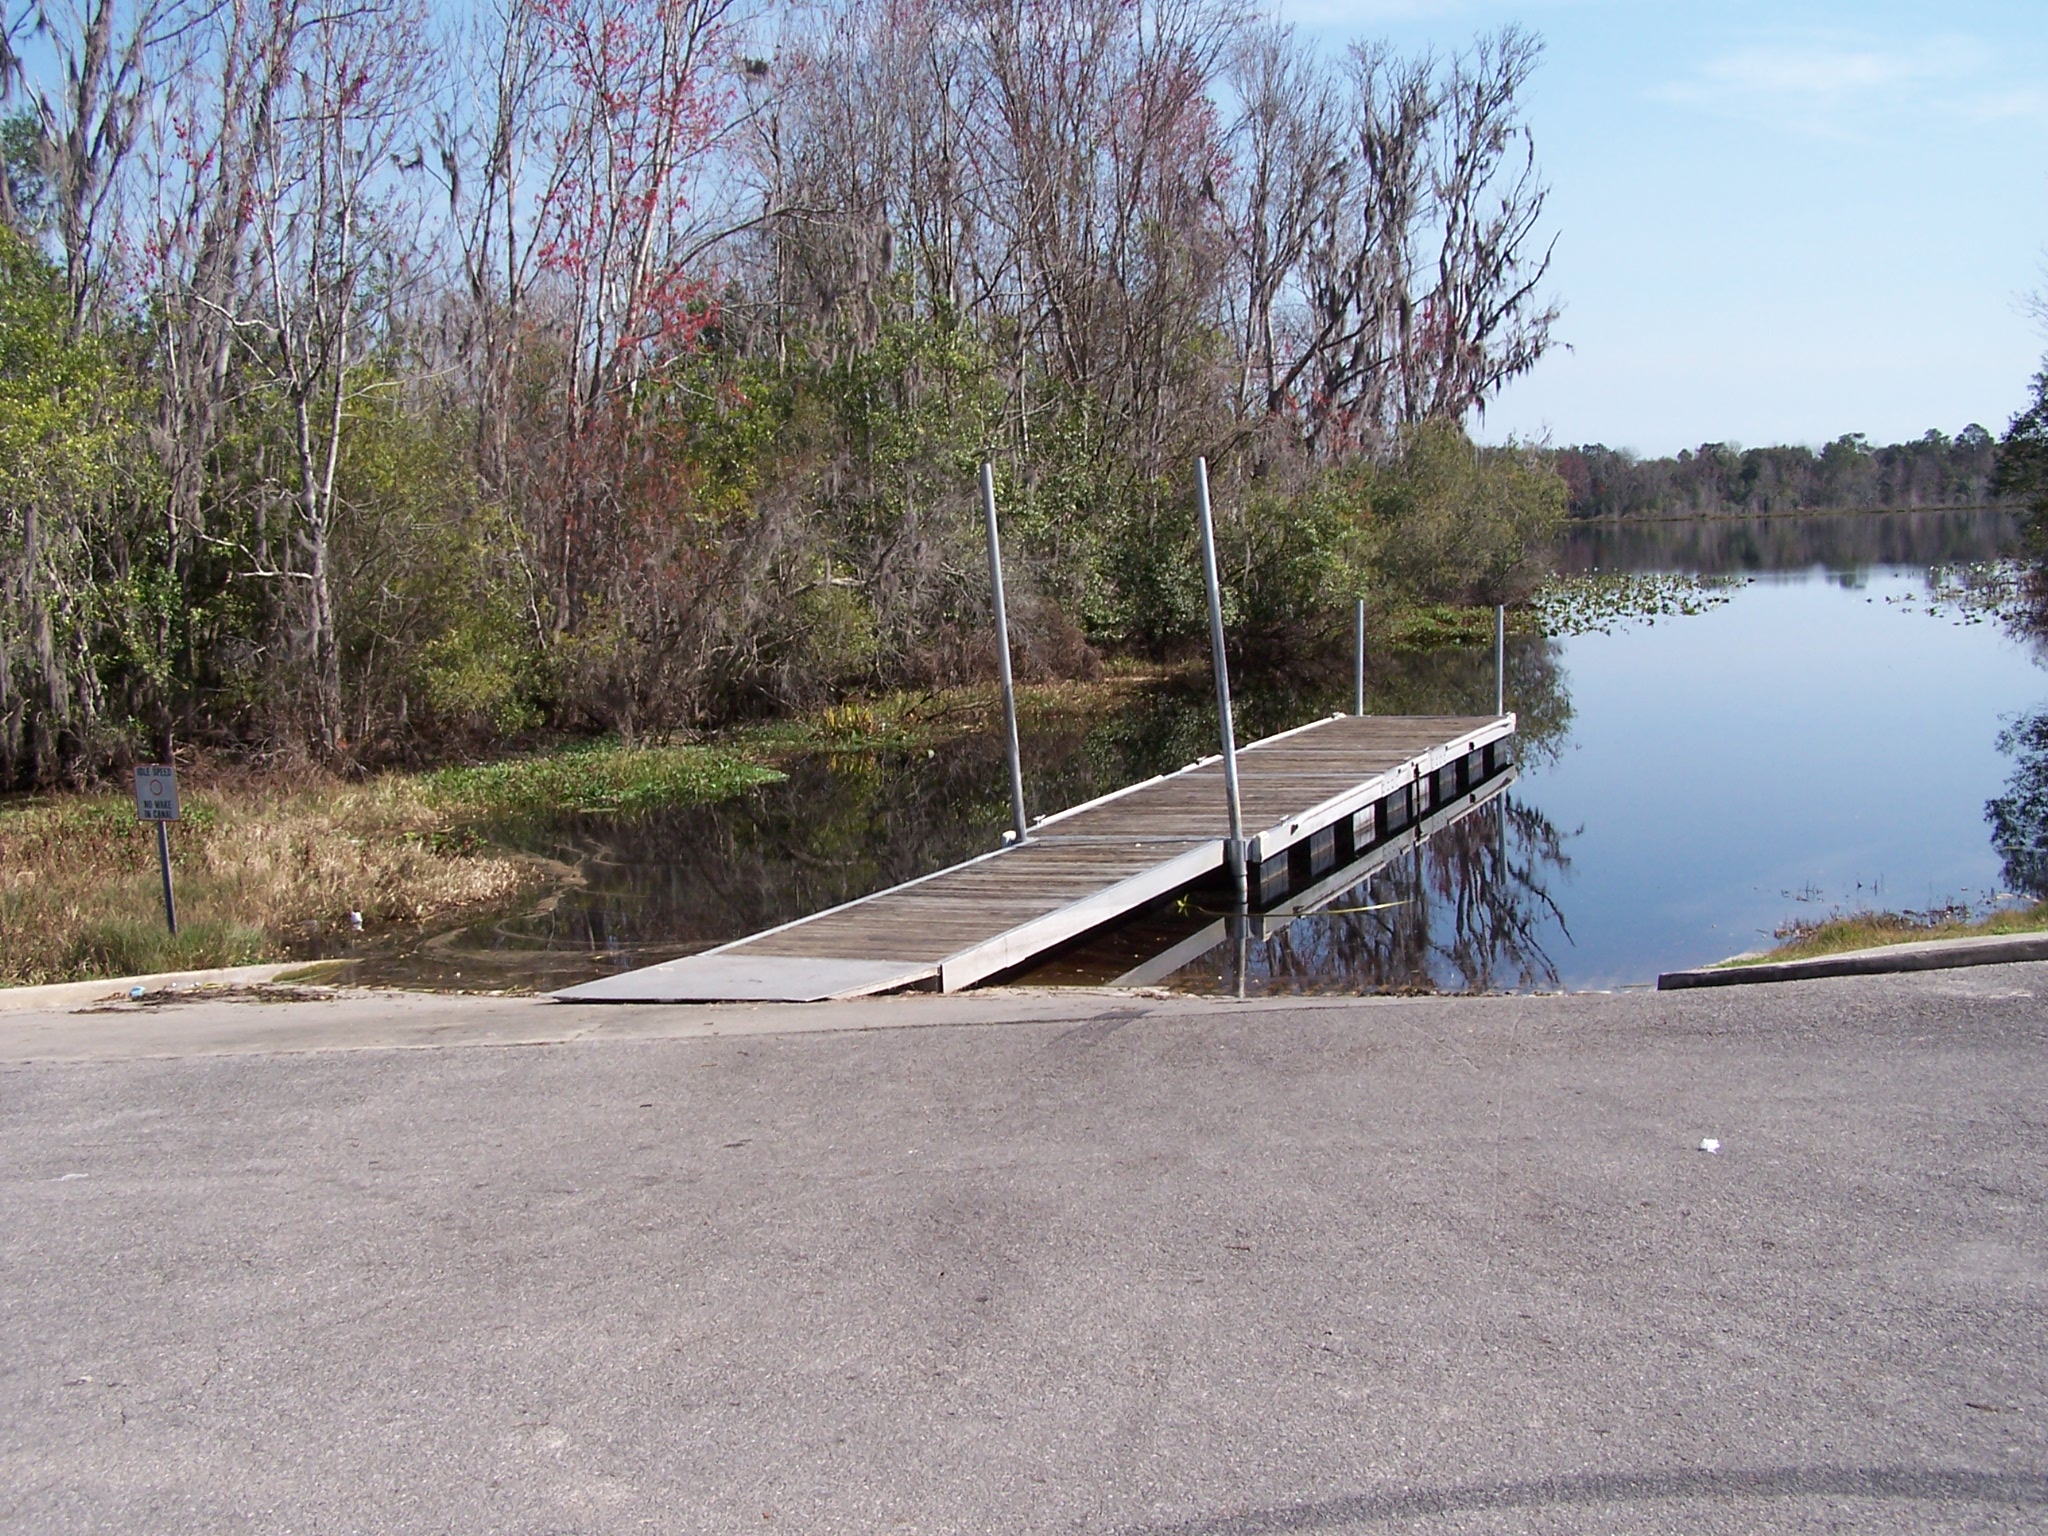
1259	925
1331	800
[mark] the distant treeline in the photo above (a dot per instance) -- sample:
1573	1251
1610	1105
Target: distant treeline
1847	475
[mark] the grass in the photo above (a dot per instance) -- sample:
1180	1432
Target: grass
918	720
1435	626
595	780
1872	930
263	863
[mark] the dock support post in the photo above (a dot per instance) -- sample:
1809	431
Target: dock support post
1500	659
1358	667
995	581
1234	852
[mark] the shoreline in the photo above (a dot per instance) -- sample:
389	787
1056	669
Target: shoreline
1790	513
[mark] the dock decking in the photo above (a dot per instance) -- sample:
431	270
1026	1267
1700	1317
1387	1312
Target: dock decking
1319	796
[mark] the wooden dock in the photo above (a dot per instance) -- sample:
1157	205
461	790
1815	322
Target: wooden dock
1262	924
1320	797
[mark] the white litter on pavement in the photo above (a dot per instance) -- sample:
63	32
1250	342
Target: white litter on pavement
1709	1144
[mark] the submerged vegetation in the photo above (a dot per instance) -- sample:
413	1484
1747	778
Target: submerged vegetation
598	779
1607	601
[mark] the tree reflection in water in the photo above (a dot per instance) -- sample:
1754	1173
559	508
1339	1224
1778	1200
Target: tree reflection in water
1843	542
1469	912
2019	817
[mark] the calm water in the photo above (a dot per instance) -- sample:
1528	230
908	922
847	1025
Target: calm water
1820	741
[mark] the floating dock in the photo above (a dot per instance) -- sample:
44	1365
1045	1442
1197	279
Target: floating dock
1323	796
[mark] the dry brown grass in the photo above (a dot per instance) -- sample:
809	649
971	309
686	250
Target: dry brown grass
256	863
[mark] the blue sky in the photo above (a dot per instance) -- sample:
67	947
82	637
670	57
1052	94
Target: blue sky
1776	222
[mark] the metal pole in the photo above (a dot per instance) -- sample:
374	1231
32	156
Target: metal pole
1234	851
1358	670
163	854
995	581
1500	659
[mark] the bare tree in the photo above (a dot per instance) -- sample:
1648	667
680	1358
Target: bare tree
491	133
111	55
1483	322
1101	156
202	159
330	211
1390	267
1287	157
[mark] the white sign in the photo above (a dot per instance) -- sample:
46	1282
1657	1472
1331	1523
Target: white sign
156	792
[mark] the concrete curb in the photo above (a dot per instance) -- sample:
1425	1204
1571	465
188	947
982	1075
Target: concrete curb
1928	955
63	994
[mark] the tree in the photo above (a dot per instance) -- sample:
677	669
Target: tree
328	251
2019	817
2021	468
61	453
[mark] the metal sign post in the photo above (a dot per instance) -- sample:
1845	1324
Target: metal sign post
1234	853
995	581
156	799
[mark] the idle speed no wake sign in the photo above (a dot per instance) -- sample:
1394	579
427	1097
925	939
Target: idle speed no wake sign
156	793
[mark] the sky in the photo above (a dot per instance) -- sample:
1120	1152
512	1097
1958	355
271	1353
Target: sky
1775	222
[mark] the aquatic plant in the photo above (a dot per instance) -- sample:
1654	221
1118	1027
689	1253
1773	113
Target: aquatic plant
1604	602
603	778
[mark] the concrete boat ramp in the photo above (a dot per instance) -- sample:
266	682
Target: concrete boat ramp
1323	796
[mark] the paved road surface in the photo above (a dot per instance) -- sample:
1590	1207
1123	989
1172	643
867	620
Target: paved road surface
1148	1268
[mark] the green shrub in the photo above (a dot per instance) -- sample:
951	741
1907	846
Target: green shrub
1451	522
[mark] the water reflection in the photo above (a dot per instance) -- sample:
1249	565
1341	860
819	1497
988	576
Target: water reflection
1467	910
1467	913
1842	542
2019	817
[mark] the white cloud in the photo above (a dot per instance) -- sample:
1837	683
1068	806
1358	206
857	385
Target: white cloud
1808	71
2006	105
1836	88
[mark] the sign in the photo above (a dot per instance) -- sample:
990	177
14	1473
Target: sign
156	792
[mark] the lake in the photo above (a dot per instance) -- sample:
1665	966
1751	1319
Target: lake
1823	736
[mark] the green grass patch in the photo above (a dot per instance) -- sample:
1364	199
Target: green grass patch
1873	930
1439	626
600	779
123	946
918	720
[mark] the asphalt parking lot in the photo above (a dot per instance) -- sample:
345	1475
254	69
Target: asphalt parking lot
1150	1267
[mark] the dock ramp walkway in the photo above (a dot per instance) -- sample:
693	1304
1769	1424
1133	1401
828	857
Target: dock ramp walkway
1321	796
